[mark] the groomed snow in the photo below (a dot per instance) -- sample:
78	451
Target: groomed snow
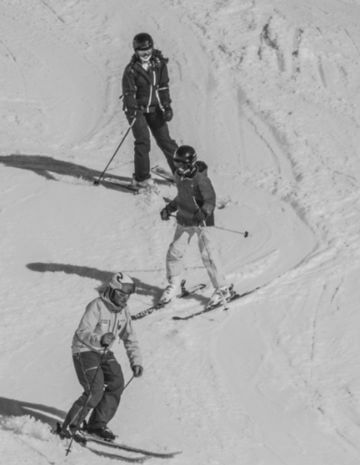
268	93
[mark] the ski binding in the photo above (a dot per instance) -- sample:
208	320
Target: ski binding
184	293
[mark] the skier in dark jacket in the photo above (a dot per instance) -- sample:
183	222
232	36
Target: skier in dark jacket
97	369
194	204
145	86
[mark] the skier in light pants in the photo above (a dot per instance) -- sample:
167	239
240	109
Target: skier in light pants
194	204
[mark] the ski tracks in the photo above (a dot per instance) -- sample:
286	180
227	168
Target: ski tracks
306	360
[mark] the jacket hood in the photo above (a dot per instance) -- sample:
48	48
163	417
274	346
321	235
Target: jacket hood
201	166
105	296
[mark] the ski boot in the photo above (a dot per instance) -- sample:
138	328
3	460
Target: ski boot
171	290
220	296
103	433
69	432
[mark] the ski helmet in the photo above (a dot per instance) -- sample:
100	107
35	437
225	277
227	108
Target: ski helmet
143	41
122	282
184	159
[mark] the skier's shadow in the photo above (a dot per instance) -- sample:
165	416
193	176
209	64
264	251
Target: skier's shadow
17	408
92	273
54	170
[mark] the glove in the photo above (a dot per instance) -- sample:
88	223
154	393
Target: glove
106	339
137	370
200	216
165	214
131	113
168	113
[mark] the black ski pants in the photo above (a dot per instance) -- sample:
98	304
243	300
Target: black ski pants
154	122
102	379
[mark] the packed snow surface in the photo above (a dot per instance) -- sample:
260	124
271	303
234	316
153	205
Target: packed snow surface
268	94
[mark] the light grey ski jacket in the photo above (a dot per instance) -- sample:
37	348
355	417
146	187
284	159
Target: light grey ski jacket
102	316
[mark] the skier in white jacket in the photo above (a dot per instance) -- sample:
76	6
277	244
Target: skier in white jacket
97	369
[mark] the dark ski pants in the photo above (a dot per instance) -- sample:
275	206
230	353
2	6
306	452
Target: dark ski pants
102	389
146	122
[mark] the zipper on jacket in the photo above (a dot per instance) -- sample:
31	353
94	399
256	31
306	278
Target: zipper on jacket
151	92
115	324
158	98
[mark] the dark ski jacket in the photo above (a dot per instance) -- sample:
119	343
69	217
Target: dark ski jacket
193	193
146	90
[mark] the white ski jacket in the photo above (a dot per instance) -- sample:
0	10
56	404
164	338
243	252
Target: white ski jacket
100	318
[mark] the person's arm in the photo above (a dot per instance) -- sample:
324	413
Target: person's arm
86	329
208	195
129	91
163	88
131	345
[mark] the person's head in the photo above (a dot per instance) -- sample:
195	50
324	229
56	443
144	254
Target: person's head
120	287
184	160
143	45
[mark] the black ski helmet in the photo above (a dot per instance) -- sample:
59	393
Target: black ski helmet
186	156
143	41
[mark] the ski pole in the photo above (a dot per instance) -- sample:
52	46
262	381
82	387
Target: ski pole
243	233
127	384
97	181
68	450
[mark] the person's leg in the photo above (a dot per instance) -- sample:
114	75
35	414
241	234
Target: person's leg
160	131
174	259
142	145
108	405
91	379
176	252
210	258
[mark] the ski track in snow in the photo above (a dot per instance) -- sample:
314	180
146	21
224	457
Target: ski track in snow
268	95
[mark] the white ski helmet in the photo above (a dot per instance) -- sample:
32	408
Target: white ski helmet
123	282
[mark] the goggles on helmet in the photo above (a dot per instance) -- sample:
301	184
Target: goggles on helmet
125	288
181	162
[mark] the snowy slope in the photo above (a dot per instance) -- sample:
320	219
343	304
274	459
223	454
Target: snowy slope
268	93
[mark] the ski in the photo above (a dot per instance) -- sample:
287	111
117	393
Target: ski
109	455
117	445
184	293
83	440
123	183
127	184
163	173
233	297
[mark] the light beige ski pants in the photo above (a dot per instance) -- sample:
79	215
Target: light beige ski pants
209	255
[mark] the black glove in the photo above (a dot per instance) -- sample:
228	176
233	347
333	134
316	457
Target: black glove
131	113
168	113
200	216
106	339
137	370
165	213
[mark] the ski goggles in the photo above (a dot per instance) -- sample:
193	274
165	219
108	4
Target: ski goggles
144	52
125	288
180	162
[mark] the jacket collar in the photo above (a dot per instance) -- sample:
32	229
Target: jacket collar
146	74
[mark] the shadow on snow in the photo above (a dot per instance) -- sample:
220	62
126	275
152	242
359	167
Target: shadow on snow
52	169
92	273
18	408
